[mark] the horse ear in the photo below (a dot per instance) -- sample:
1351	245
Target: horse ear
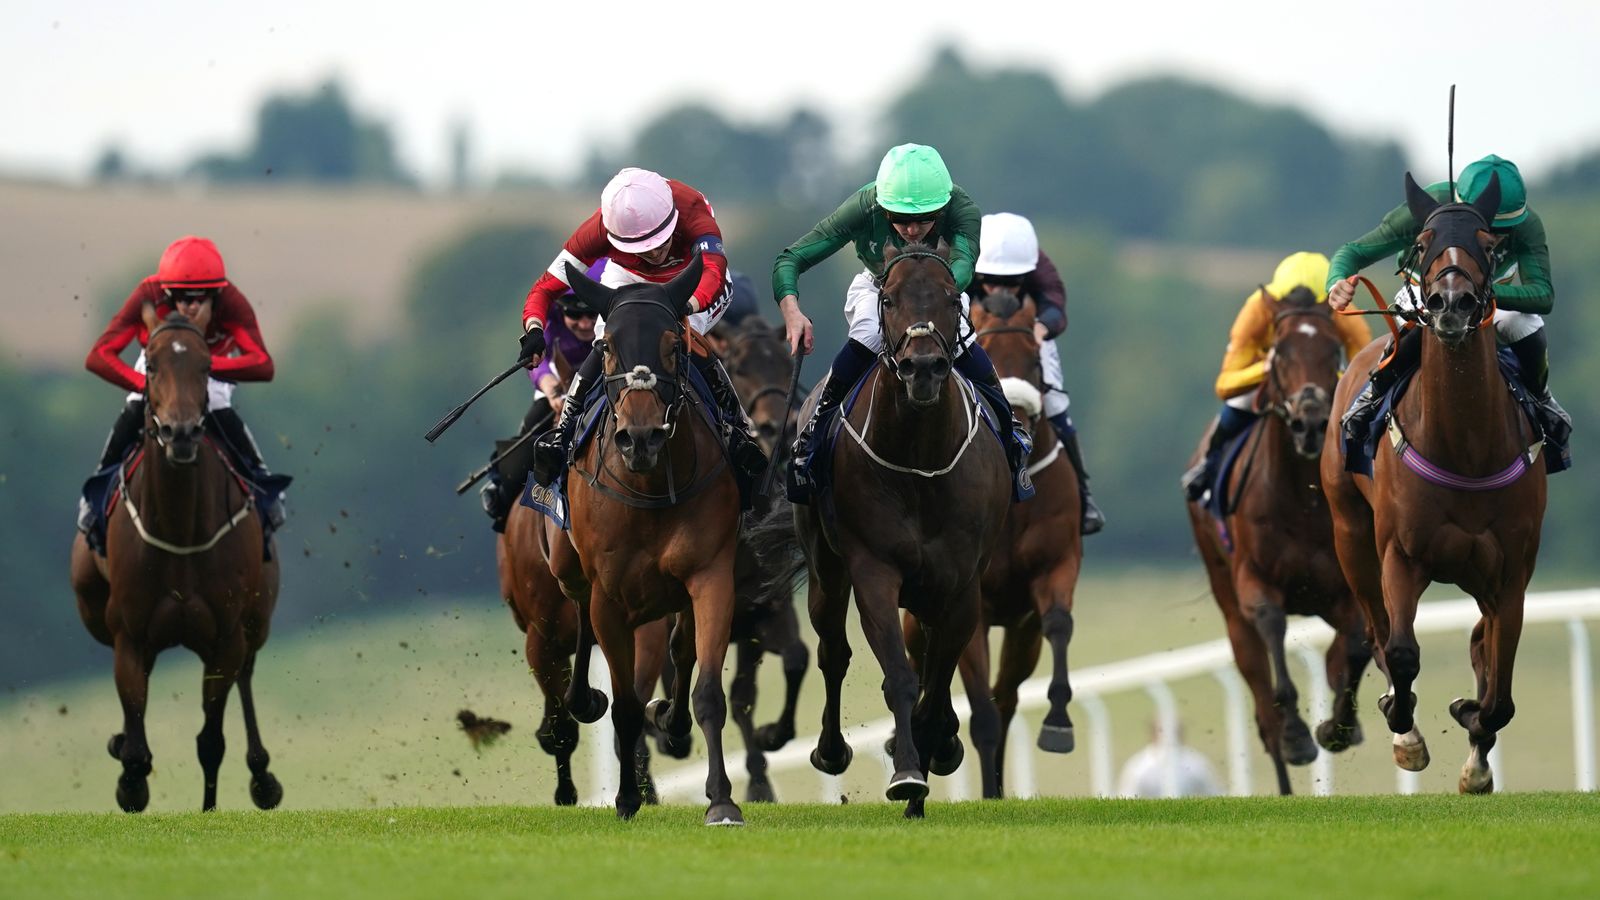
1488	202
594	293
681	287
890	251
942	248
1419	201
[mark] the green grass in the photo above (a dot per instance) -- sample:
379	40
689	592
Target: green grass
1532	845
360	714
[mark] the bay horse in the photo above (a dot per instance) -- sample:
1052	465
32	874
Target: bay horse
654	537
1281	561
1033	569
1456	495
183	567
917	502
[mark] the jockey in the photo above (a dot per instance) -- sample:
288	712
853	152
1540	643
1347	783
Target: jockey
1244	366
650	228
1009	258
190	280
912	199
571	334
1521	254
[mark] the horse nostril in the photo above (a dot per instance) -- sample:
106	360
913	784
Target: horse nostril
941	368
624	441
1297	426
1436	303
656	440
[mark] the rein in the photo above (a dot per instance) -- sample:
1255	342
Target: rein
176	549
968	399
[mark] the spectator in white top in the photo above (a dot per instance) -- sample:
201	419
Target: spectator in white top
1167	768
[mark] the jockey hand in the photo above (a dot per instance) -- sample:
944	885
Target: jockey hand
1342	294
690	307
1039	333
532	345
796	326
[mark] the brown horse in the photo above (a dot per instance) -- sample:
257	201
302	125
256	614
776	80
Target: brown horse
918	498
1028	586
1457	494
183	566
1282	560
654	536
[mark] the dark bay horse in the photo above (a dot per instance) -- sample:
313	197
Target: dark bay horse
919	496
183	567
1282	561
654	513
1033	569
1457	493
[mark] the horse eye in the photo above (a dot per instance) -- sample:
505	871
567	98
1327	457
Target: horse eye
603	346
887	300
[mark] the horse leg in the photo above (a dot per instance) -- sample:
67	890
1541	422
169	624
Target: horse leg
616	639
877	599
131	667
558	730
1494	709
984	721
265	791
1403	583
1250	655
587	704
1019	654
916	648
1056	734
672	718
1264	607
712	606
780	633
934	725
742	698
221	668
1347	659
828	598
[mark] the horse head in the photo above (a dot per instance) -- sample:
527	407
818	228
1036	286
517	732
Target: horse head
1004	323
1303	369
920	313
177	366
643	359
760	367
1452	259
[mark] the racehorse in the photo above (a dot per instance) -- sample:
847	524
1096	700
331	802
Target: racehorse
1281	561
1459	495
183	566
917	502
655	536
1033	570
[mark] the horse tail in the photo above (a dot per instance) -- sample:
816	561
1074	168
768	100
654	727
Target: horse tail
770	537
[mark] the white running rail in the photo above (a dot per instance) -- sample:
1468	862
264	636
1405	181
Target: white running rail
1306	638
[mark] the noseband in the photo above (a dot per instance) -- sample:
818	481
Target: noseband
1454	226
915	329
1280	404
205	399
672	392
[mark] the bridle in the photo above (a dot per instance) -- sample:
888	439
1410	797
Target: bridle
205	401
672	393
1459	231
1280	403
916	329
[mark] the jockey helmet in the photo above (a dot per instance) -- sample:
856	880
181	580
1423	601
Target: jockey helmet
1304	269
1007	245
191	262
912	180
1513	194
637	210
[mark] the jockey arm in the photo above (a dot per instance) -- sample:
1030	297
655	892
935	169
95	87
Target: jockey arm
586	245
963	223
234	317
1244	365
1531	254
105	357
1049	292
822	241
1393	235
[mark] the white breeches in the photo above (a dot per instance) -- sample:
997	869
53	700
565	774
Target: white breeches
1056	400
615	276
1245	402
861	312
219	394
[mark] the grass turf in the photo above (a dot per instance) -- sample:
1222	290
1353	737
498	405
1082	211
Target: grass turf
1539	845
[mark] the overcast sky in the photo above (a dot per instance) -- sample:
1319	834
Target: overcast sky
537	82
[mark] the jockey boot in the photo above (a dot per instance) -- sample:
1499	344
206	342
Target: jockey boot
1230	423
1093	519
509	475
124	433
975	364
1533	354
1403	358
744	451
551	449
241	445
852	362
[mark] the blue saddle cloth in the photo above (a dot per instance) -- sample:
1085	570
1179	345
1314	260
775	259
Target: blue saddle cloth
1218	502
1358	456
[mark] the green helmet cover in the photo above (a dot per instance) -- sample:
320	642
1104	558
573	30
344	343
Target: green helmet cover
912	179
1513	195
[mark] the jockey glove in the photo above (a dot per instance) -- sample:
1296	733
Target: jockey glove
532	343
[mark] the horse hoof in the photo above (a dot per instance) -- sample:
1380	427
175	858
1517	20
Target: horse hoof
675	746
907	786
1336	738
1298	747
114	746
1462	708
566	794
949	759
265	791
1057	739
772	737
596	707
1475	780
832	766
133	794
657	711
626	811
760	791
1411	751
724	814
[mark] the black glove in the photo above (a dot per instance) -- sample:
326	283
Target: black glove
532	343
